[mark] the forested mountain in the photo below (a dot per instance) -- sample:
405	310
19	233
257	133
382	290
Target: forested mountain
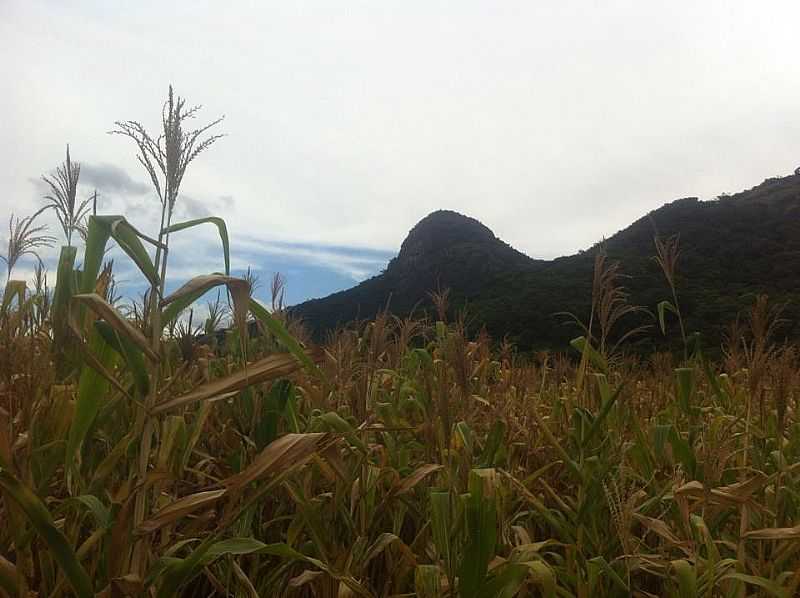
732	249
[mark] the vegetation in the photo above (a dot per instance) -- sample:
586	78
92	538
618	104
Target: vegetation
405	457
732	249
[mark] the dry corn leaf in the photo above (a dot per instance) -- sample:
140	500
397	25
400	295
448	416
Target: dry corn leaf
180	508
287	451
774	533
734	494
239	289
305	577
106	311
661	529
269	368
415	478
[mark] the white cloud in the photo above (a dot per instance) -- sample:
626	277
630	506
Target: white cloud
356	265
552	123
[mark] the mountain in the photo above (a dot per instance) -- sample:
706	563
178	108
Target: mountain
732	248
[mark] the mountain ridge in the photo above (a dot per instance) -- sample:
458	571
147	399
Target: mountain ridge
733	247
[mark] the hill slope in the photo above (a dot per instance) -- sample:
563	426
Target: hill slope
732	248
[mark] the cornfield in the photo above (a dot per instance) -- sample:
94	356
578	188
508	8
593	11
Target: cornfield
400	458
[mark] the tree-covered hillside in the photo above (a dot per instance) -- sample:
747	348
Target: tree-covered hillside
732	249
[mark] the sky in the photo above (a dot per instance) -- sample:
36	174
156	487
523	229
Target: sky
554	123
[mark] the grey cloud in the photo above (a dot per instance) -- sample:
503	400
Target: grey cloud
345	146
357	264
110	178
191	208
41	186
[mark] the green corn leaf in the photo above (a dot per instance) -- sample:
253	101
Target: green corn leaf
100	229
427	581
92	390
714	381
198	286
98	233
771	587
601	417
129	240
62	295
441	525
684	379
100	512
603	566
133	356
481	530
14	288
273	409
683	452
544	577
278	330
493	444
223	235
42	521
585	348
118	322
663	308
332	421
463	434
505	582
178	572
687	578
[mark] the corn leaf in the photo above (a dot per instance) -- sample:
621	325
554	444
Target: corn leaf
100	228
180	508
427	581
129	352
223	235
8	577
100	512
585	348
269	368
771	587
774	533
63	294
687	578
92	389
116	320
287	452
544	577
505	582
684	383
441	525
198	286
663	307
14	288
481	530
42	521
278	330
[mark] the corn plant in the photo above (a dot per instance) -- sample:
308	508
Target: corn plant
403	457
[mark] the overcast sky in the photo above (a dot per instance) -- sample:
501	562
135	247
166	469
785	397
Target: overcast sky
554	123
